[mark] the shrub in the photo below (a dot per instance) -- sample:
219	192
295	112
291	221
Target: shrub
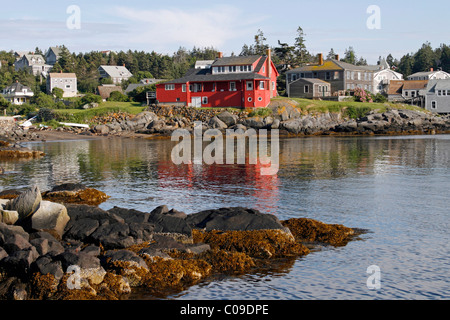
354	112
362	95
90	98
44	115
261	112
118	97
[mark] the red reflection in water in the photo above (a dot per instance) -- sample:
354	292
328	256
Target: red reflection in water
262	190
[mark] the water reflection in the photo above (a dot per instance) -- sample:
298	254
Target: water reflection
392	186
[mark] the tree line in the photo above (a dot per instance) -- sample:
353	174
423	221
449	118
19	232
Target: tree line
163	66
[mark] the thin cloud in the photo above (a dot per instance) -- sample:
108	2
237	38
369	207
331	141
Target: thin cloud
175	27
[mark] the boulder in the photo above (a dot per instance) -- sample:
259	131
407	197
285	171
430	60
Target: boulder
81	229
3	253
9	217
83	211
227	118
130	215
46	265
233	219
113	236
19	262
216	123
16	242
50	217
47	247
124	256
170	224
26	203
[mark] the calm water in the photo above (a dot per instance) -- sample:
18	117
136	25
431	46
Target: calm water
396	187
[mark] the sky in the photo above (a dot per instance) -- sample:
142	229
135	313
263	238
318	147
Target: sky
397	27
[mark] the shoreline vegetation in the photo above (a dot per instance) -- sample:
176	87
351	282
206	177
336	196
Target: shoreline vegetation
59	245
292	117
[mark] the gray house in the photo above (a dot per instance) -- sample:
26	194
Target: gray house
309	89
33	63
342	76
52	55
437	98
65	81
116	73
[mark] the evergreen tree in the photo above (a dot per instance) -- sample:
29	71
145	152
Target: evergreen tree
331	54
349	56
424	59
301	54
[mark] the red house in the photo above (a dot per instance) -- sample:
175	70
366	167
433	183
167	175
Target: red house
245	82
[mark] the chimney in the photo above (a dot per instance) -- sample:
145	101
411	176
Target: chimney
337	57
431	69
320	58
220	55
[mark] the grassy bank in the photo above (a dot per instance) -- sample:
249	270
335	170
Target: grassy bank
84	116
352	109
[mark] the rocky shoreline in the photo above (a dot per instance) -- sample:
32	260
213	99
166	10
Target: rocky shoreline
57	245
161	121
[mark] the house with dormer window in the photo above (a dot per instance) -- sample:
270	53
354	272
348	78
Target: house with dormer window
116	73
33	63
17	93
238	81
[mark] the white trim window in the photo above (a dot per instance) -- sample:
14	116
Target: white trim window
249	85
306	90
170	87
183	87
433	104
204	100
261	85
232	86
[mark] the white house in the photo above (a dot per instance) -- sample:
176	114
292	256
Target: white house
17	94
65	81
33	63
116	73
429	75
382	78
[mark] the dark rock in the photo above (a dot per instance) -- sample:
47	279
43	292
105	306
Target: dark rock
82	211
113	236
227	118
45	246
7	231
124	256
26	203
130	215
46	265
160	210
168	224
92	250
16	242
150	253
19	262
242	219
141	231
176	214
81	229
68	187
80	259
216	123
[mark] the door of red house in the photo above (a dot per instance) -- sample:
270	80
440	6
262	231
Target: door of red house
196	102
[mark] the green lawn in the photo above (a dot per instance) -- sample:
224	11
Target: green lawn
83	116
351	108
